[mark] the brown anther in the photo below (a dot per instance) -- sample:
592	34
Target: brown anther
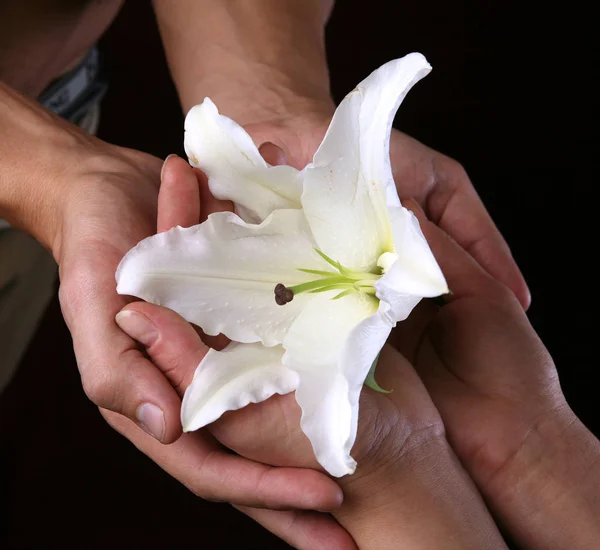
279	289
283	295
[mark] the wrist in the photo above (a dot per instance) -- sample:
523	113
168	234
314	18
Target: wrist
553	480
419	494
261	96
41	150
253	59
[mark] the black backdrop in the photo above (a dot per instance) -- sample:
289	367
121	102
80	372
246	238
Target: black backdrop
512	96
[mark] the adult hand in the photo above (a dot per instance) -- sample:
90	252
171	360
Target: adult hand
404	461
197	459
497	390
436	182
401	437
264	66
111	205
90	202
421	179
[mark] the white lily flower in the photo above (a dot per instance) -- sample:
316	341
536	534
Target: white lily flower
311	276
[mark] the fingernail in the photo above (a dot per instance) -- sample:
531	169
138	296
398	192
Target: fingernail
137	326
152	420
164	164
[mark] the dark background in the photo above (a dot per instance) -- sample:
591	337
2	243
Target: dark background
512	96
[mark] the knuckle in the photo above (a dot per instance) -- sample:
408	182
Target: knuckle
108	387
450	171
500	295
454	169
204	484
100	390
262	486
68	296
172	364
203	491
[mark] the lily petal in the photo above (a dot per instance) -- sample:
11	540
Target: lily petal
415	274
228	380
331	346
221	274
236	171
349	185
396	305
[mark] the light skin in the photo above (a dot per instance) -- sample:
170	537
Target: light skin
99	201
497	391
89	202
42	39
407	472
273	80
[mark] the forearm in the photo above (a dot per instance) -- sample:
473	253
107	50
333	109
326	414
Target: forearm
548	493
40	158
423	500
33	145
253	58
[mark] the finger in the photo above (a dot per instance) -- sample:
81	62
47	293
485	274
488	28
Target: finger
177	350
115	374
465	277
407	336
461	335
179	196
208	203
456	207
169	340
272	153
303	530
206	469
450	200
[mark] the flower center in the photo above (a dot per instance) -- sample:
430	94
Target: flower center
347	281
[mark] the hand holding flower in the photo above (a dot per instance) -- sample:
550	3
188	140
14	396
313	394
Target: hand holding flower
275	187
222	275
405	463
498	393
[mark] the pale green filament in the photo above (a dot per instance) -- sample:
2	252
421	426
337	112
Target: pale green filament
346	280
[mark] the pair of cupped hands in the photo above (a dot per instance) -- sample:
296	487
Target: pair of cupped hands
470	378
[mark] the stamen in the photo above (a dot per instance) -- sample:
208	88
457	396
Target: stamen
279	289
346	280
283	295
318	283
289	295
